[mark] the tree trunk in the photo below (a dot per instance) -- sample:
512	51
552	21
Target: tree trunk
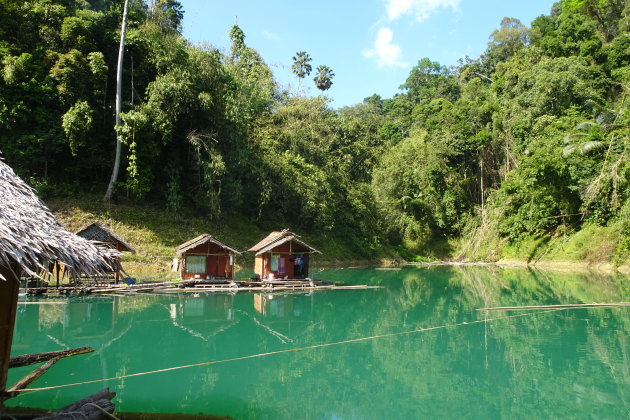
481	181
121	50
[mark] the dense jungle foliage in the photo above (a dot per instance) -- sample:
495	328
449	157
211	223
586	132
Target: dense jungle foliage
529	140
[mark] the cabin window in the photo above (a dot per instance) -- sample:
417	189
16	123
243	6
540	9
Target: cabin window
195	264
274	262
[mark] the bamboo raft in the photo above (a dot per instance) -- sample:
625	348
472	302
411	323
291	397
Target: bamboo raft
267	288
196	286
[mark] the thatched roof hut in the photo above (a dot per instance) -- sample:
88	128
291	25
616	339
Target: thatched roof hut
98	233
32	242
282	254
31	238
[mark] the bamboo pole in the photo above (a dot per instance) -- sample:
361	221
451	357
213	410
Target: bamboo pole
563	306
31	377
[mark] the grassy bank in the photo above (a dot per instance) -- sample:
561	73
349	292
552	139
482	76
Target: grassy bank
594	246
155	233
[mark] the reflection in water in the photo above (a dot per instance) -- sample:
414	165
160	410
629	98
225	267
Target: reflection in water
561	364
283	305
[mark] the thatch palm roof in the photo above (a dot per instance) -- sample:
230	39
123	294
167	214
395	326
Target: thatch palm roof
31	238
202	239
275	239
98	233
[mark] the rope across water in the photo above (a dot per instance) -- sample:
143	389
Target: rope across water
314	346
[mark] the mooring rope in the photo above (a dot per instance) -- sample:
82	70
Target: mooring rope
314	346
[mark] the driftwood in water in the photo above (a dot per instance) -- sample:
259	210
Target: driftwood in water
29	359
96	406
565	306
31	377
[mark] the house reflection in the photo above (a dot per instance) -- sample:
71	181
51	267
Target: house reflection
89	319
50	324
216	307
283	306
79	320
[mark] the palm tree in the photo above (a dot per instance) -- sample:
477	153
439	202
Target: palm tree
586	139
301	67
323	78
605	132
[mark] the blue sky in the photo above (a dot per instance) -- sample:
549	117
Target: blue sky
371	45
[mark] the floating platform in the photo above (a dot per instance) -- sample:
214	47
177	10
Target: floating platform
196	286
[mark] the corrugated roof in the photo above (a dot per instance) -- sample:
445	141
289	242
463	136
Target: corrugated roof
275	239
202	239
31	237
99	233
273	236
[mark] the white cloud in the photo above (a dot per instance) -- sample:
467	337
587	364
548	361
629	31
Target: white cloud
420	9
386	53
271	36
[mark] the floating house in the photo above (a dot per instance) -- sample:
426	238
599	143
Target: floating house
205	257
282	255
32	243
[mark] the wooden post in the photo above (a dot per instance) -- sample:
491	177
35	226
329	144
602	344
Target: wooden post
9	289
57	264
116	278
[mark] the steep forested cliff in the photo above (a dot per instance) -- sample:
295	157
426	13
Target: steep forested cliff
524	147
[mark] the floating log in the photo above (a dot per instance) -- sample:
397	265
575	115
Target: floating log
29	359
31	377
95	406
564	306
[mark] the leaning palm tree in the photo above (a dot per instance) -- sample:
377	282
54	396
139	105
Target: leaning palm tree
609	131
585	139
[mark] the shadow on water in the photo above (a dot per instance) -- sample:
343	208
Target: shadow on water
468	363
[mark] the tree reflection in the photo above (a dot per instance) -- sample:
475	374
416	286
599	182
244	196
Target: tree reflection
538	364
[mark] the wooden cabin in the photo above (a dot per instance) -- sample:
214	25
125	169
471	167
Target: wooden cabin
282	255
33	242
205	257
100	235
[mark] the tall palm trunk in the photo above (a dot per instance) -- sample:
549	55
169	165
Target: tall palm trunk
121	50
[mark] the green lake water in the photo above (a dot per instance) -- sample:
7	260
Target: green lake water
464	363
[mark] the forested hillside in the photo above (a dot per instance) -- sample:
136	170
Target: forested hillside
522	149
